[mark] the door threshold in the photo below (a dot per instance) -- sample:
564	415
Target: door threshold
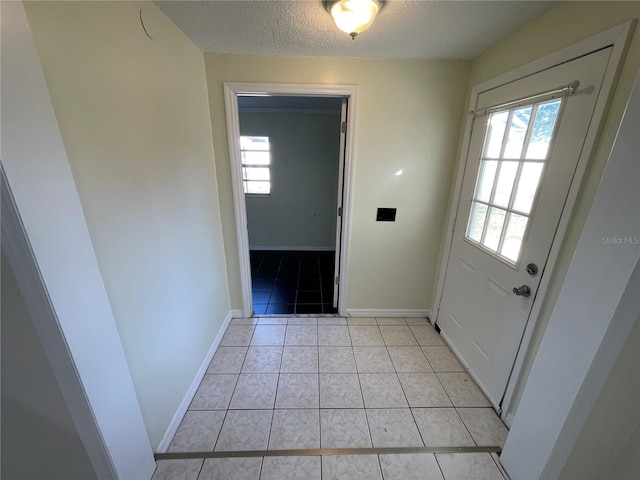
325	451
296	315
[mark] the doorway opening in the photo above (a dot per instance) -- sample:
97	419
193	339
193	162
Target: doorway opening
290	150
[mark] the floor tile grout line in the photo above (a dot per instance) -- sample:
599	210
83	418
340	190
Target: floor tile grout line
220	431
439	467
364	406
270	426
275	398
406	399
426	356
320	282
261	465
295	302
501	469
465	425
380	465
234	387
201	467
445	390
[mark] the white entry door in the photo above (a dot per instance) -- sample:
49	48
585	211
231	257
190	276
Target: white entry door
526	139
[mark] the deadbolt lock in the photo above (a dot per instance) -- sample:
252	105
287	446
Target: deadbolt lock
532	269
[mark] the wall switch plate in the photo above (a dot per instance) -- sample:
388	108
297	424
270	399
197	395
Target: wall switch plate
386	215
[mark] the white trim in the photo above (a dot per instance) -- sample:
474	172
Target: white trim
237	314
383	313
508	420
163	446
617	37
239	204
296	248
231	91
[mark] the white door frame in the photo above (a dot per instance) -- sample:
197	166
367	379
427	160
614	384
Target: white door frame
617	37
344	109
231	93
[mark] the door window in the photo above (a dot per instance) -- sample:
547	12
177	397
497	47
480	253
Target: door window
515	151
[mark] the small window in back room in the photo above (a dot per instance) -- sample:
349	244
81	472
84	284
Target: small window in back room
256	161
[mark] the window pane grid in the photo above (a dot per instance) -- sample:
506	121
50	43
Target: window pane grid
527	139
544	127
508	210
254	143
255	173
256	159
505	134
498	221
520	119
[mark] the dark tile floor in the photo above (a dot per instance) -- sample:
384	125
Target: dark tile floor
286	282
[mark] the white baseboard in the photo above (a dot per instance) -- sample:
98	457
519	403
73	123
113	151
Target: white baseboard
294	249
186	401
353	312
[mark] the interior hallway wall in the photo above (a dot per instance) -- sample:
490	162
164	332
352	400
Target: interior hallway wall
300	213
409	114
564	25
609	443
134	119
39	439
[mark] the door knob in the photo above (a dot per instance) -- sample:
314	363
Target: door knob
523	291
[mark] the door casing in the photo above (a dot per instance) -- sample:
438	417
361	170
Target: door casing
231	92
617	37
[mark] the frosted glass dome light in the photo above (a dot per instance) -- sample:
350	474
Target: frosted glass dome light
353	16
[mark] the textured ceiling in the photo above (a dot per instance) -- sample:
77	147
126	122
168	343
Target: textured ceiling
403	29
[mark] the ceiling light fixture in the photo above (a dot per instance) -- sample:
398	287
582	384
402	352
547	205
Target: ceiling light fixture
353	16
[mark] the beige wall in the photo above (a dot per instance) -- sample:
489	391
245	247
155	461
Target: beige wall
409	115
567	23
135	123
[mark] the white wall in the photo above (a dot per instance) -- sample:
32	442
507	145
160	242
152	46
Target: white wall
134	118
35	417
609	443
408	118
301	210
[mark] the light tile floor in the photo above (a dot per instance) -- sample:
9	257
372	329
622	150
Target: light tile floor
308	383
